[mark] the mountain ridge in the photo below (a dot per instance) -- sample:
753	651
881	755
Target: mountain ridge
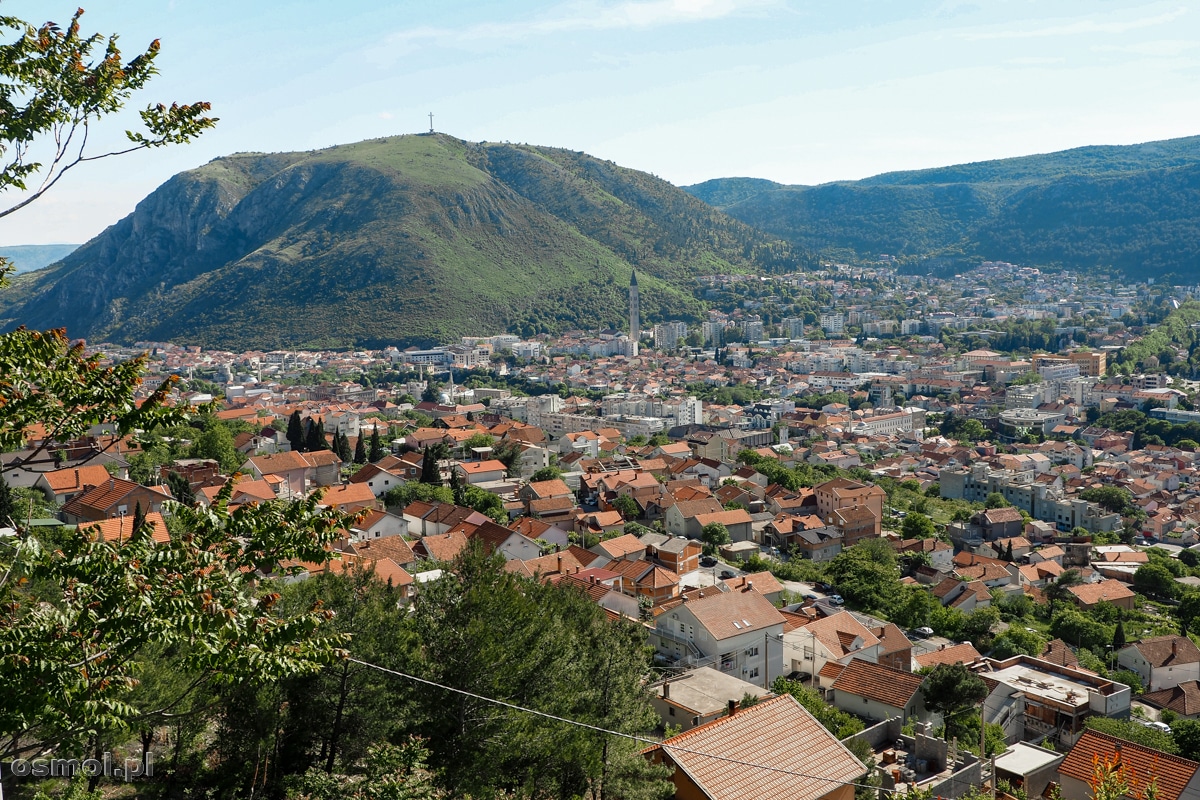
408	239
1135	208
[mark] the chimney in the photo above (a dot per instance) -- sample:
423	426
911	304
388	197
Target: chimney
1174	647
666	691
733	707
560	563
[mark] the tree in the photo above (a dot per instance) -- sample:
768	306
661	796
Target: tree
1015	641
431	393
953	691
628	507
1186	733
867	576
1155	580
1118	640
216	443
313	441
917	526
1132	731
360	450
376	452
8	507
995	500
181	488
1058	589
412	491
1188	611
714	535
551	473
1111	498
295	431
58	84
1008	552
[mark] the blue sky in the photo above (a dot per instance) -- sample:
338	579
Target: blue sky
791	90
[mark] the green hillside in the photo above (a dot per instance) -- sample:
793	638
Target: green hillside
410	239
1132	207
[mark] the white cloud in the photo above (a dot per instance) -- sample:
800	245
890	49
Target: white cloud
583	16
1085	26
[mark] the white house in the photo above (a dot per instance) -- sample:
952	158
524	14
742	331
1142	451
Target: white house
1162	662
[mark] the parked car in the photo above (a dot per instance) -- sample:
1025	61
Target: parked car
799	675
726	575
811	596
708	561
836	599
823	587
924	632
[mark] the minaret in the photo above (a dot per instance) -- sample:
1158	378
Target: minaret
635	320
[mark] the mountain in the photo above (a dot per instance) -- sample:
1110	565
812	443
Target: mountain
408	240
1135	208
28	257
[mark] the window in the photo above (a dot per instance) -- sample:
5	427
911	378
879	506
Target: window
727	661
671	710
754	672
751	651
682	628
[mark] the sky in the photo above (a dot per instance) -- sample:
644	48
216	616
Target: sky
797	91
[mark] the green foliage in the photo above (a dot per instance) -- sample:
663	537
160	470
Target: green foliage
217	443
1080	629
1186	733
962	429
1132	731
1110	498
1155	580
1129	678
836	721
550	473
866	576
391	772
917	526
402	495
59	83
953	691
996	500
627	506
1016	641
714	535
482	501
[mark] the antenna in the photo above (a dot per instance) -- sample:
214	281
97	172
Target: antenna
431	122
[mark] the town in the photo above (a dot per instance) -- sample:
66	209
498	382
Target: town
885	533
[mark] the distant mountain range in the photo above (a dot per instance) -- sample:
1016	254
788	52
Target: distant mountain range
28	257
1134	208
409	239
425	238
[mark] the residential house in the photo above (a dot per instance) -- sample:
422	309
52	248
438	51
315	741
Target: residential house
61	485
843	494
941	554
290	466
737	521
1034	699
964	653
379	480
349	497
324	467
836	638
681	518
507	542
646	579
626	547
815	544
807	762
877	692
700	696
738	632
764	583
1162	662
378	524
475	472
1087	595
114	498
999	523
1174	778
1183	700
676	553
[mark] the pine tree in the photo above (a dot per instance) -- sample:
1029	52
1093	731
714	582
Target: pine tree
360	450
376	446
1119	636
295	431
8	506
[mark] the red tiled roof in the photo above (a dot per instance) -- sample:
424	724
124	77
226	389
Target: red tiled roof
1110	590
74	480
1183	699
807	761
120	528
888	686
1168	651
964	653
1172	772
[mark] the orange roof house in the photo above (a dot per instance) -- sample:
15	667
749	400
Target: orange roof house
799	758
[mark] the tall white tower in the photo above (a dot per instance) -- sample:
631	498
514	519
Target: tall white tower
635	318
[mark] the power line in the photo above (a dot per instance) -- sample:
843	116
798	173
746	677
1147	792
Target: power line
634	737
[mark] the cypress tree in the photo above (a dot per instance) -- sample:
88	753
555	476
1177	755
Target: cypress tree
376	446
1119	635
8	506
346	453
181	488
1008	555
295	431
139	517
322	442
360	450
429	469
311	442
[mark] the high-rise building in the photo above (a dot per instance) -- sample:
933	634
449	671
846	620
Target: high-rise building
753	329
635	318
667	335
712	333
794	327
